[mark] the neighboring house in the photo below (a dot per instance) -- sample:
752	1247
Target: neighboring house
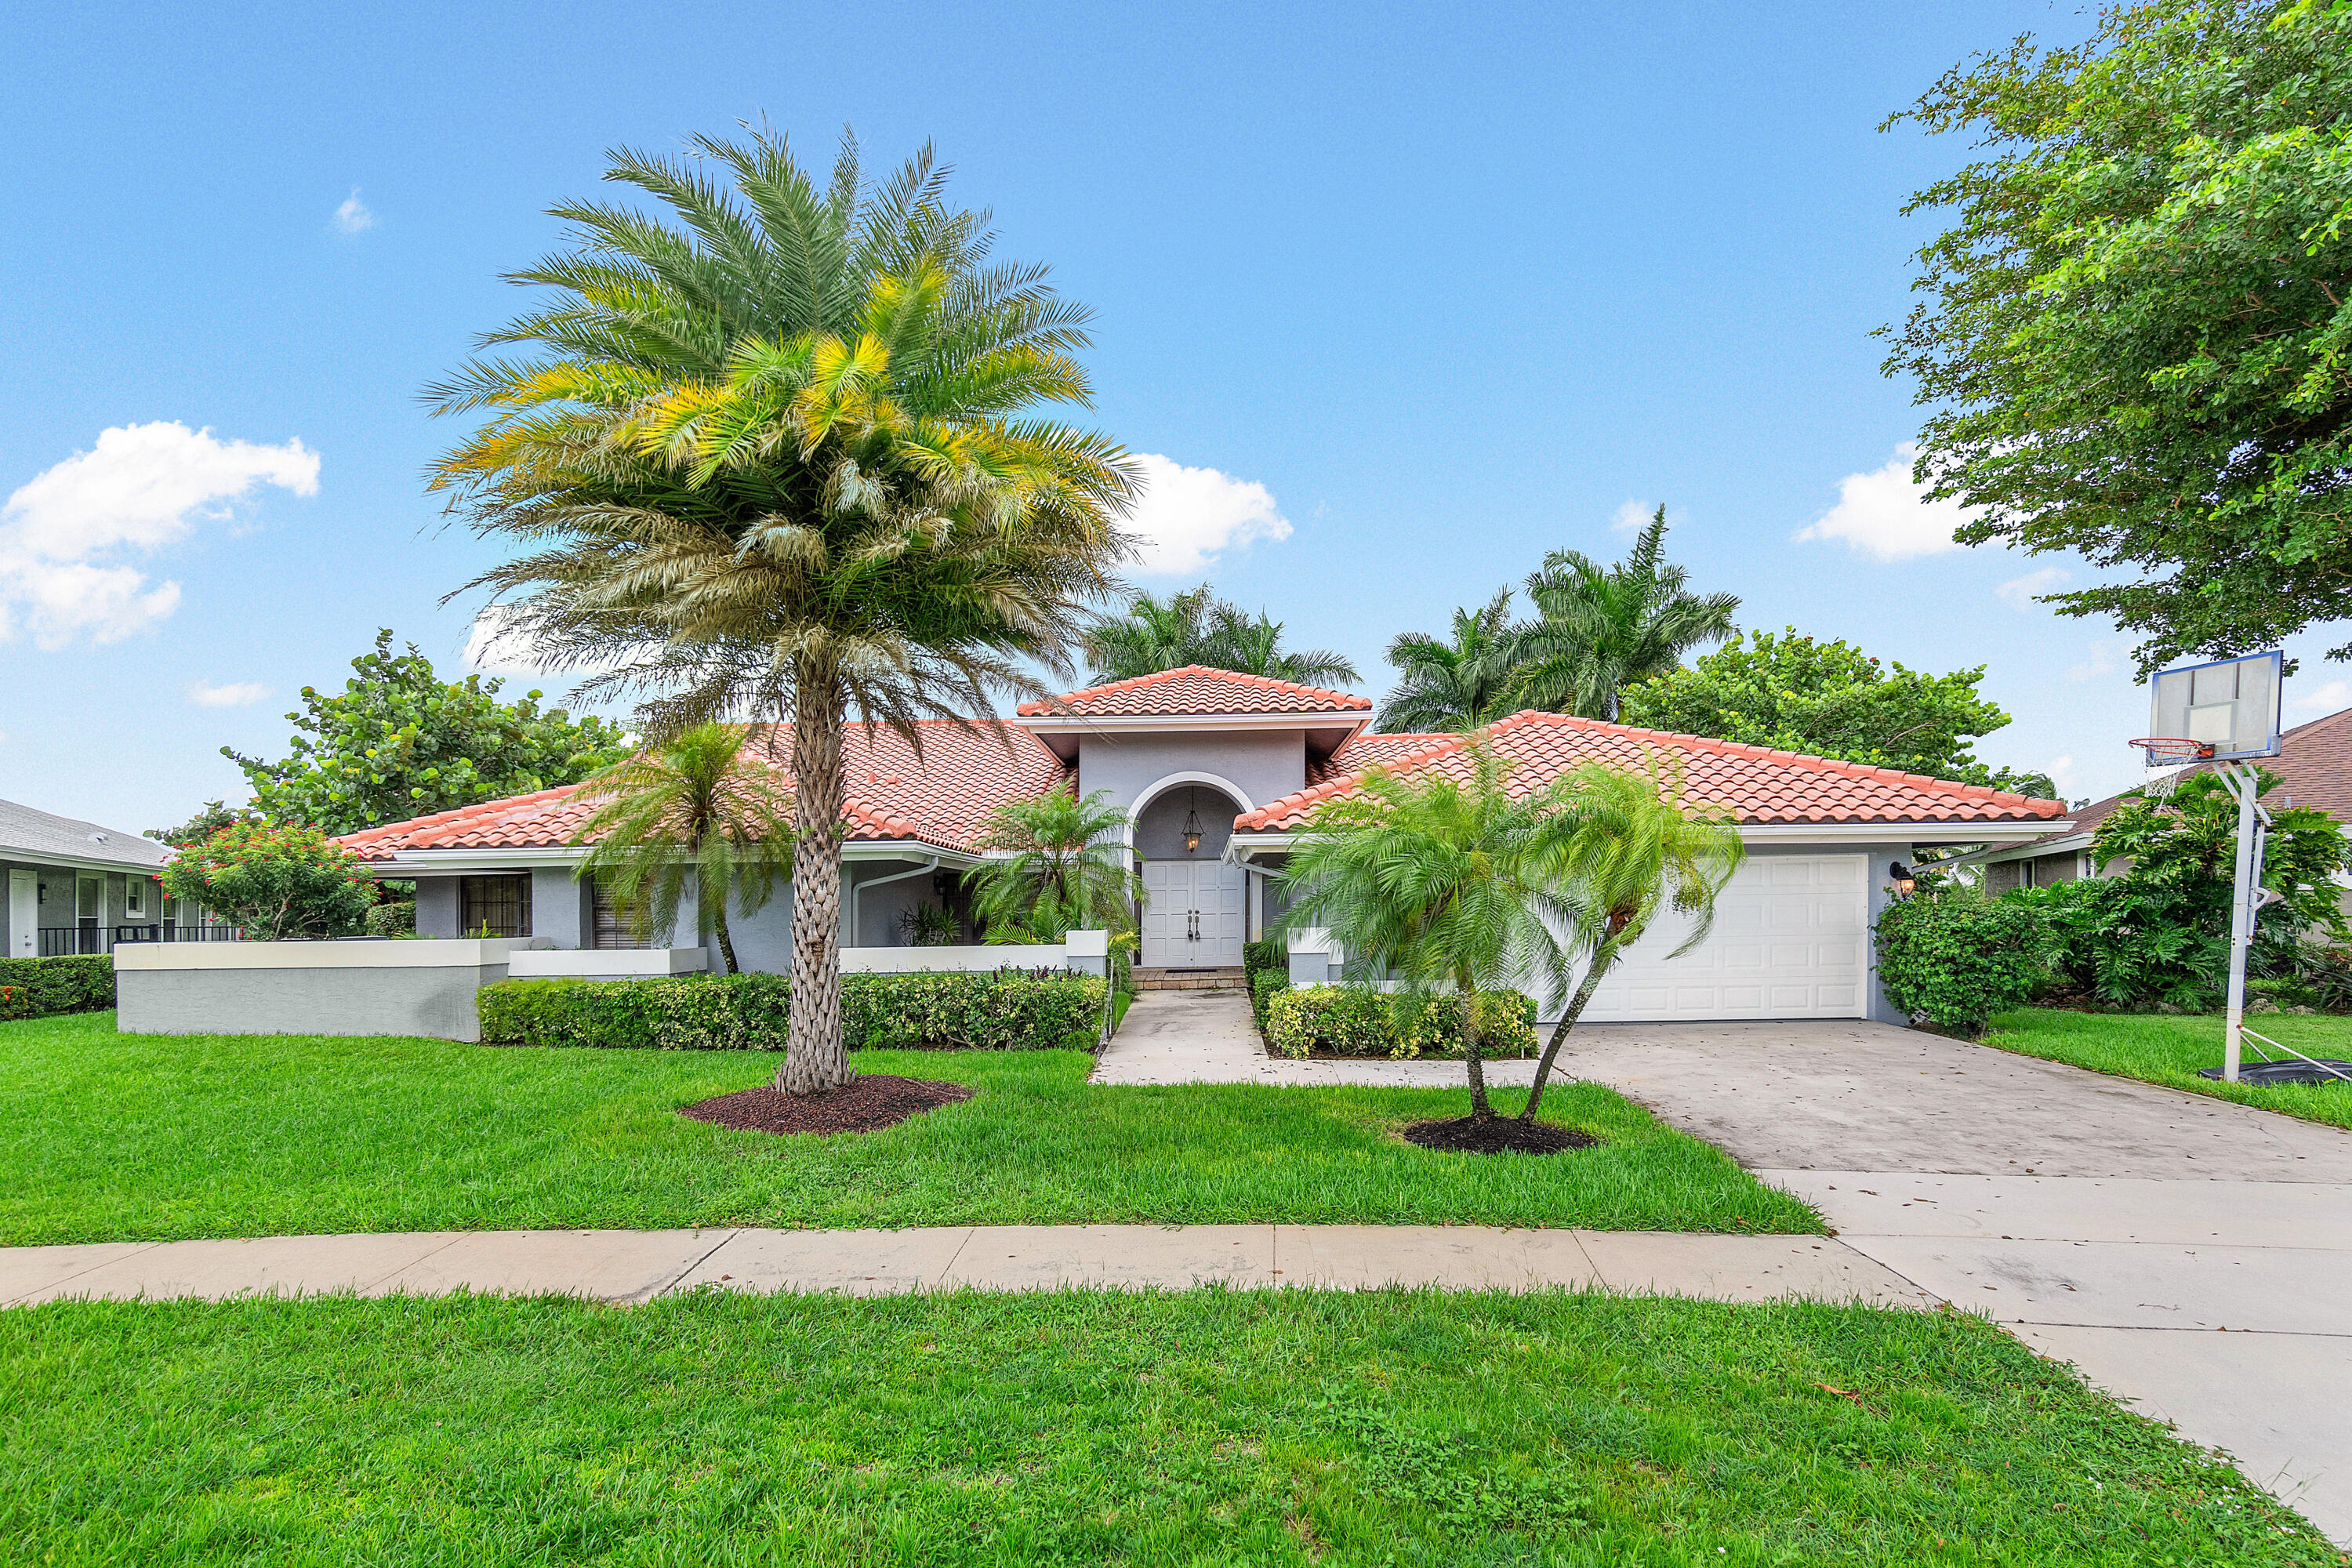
1217	772
2314	768
75	887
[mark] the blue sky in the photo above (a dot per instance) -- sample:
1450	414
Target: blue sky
1449	286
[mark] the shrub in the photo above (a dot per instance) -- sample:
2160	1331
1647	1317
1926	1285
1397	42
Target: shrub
1363	1021
1267	952
37	987
1265	985
1957	959
276	882
1007	1010
397	918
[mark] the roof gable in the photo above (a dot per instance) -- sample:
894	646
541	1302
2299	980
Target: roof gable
1756	785
1195	690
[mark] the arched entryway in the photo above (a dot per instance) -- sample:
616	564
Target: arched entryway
1196	906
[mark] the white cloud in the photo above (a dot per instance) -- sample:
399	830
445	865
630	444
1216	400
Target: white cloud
2105	660
1882	514
2327	699
2018	593
2062	771
1630	516
235	694
1186	515
353	214
141	488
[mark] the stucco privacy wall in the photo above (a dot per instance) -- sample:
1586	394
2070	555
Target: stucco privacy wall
1264	764
351	988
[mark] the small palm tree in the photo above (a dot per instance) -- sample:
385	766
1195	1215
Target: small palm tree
1253	646
692	814
1625	845
1447	881
1196	626
1601	628
1454	687
1058	864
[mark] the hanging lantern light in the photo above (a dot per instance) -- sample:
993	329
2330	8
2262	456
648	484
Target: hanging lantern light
1193	822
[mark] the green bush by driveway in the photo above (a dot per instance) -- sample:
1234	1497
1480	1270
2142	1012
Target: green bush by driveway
108	1137
40	988
1207	1427
1365	1021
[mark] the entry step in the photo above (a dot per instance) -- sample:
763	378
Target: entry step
1189	979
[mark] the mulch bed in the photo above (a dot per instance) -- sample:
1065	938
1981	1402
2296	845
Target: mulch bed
867	1104
1497	1135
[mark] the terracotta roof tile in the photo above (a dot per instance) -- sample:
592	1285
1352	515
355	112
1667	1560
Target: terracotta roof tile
887	795
1757	785
1197	690
1361	751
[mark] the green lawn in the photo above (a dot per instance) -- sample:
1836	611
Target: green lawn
1083	1428
107	1136
2160	1048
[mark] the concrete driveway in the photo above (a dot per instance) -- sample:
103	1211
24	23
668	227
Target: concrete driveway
2192	1256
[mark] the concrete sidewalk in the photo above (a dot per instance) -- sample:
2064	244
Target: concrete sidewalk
626	1266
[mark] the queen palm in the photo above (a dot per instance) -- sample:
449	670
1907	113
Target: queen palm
1625	844
1457	686
1601	628
776	453
693	814
1058	862
1445	880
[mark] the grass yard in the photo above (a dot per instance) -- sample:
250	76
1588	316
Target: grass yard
128	1137
1198	1428
2162	1048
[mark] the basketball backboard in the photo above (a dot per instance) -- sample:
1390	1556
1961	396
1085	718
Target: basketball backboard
2231	705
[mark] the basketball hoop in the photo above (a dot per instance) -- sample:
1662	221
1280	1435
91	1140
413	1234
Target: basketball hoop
2173	754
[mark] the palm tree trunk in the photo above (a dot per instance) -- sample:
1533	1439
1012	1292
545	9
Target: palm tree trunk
1479	1109
725	940
814	1058
1603	958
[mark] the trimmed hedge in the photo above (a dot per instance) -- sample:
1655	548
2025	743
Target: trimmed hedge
1268	953
1363	1021
1956	959
1265	985
37	987
1009	1010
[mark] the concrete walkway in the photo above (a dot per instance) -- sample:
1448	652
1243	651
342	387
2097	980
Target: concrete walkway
2192	1256
626	1266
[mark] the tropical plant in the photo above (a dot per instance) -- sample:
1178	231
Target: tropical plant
1598	628
1457	686
928	925
2135	329
278	882
1057	864
1443	882
1628	844
1830	700
1196	626
399	742
777	453
1956	958
694	815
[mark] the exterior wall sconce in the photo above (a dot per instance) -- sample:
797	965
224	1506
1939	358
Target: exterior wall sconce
1193	822
1900	876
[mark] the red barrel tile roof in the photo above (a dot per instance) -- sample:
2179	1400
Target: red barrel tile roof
887	795
1756	785
1196	689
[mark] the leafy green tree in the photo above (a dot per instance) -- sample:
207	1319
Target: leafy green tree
1830	700
1062	865
693	814
1601	628
277	881
1625	845
399	742
209	819
1455	686
1196	626
1448	883
2136	331
778	451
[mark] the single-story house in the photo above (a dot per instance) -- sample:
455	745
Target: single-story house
1217	772
75	887
2314	768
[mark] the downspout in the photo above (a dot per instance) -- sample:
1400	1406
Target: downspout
858	895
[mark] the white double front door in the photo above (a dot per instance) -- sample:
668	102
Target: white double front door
1195	914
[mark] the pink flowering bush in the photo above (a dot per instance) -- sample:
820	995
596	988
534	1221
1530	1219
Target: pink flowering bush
275	882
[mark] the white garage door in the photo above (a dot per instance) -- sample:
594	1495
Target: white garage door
1790	941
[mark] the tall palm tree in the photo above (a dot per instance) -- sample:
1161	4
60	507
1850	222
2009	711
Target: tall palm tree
692	814
1448	881
1601	628
1196	627
1059	863
1626	845
777	453
1456	687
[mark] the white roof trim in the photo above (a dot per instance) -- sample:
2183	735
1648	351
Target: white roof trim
1352	719
1244	844
454	862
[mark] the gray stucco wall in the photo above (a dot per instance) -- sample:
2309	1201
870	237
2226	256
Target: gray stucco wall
561	906
436	906
437	1002
1264	765
1160	829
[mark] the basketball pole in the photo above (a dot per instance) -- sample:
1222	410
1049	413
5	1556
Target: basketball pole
2244	889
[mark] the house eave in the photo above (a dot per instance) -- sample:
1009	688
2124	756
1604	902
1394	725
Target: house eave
454	862
2064	844
1244	845
15	857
